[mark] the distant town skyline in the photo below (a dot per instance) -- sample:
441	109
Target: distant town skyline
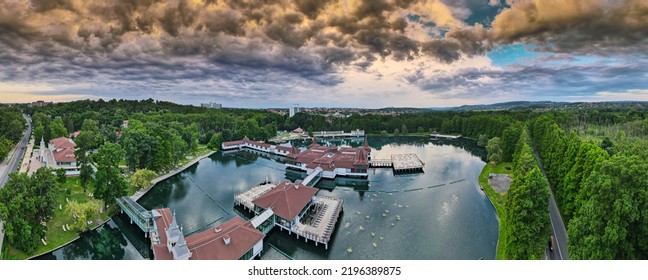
324	53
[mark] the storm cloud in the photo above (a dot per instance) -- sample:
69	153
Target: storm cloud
302	42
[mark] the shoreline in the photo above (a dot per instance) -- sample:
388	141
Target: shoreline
136	196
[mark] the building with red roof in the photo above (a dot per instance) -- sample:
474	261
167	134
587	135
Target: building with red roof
235	239
289	201
260	146
333	160
59	154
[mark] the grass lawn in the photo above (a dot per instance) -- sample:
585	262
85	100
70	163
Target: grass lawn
55	234
496	198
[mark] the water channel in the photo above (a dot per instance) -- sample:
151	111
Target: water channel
438	214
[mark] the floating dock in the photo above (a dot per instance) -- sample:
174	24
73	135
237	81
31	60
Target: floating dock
400	163
407	163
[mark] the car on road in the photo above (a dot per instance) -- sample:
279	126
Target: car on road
552	241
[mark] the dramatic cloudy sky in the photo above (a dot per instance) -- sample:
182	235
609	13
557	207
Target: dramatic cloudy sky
337	53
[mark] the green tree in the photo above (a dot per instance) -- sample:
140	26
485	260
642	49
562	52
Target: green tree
527	216
216	141
404	129
142	178
482	140
612	224
61	175
26	204
109	182
384	133
396	132
494	150
57	128
5	147
83	211
608	146
39	133
86	175
89	138
510	137
139	145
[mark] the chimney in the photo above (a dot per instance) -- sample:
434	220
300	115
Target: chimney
227	239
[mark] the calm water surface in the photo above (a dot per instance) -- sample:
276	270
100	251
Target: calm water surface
442	220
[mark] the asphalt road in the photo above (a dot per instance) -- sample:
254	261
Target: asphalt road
18	155
558	229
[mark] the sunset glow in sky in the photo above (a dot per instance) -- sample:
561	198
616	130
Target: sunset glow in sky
332	53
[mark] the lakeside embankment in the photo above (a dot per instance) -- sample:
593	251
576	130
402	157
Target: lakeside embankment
497	199
137	195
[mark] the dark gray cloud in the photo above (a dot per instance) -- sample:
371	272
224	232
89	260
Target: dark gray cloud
591	27
538	80
294	42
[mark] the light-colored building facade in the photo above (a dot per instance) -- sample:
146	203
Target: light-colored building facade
294	109
212	105
59	154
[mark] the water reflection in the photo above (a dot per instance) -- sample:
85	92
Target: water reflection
437	214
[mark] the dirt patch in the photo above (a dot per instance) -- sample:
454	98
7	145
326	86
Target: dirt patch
500	182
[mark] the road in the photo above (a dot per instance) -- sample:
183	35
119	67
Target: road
16	155
558	229
12	165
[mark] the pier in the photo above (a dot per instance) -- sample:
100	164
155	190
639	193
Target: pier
407	163
436	135
339	134
399	163
295	208
381	163
245	198
320	222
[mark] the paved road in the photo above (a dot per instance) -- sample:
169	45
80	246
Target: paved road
12	165
19	151
557	225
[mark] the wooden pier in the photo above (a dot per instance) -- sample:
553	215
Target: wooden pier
380	163
245	198
400	163
442	136
320	226
407	163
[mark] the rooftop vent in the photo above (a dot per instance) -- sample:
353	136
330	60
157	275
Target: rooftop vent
227	239
218	229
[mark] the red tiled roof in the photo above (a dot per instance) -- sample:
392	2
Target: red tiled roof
65	155
298	130
328	158
160	251
209	244
285	200
75	134
63	143
232	143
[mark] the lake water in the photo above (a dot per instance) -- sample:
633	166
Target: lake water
426	216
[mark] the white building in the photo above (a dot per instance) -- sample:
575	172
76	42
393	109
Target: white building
212	105
294	110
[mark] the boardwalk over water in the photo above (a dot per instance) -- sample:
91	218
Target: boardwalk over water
400	163
322	224
245	198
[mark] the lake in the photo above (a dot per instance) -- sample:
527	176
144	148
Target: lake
438	214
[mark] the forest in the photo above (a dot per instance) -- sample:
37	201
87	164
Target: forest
595	160
12	126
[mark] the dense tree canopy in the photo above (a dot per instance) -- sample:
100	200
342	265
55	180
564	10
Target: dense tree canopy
613	222
25	204
110	184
